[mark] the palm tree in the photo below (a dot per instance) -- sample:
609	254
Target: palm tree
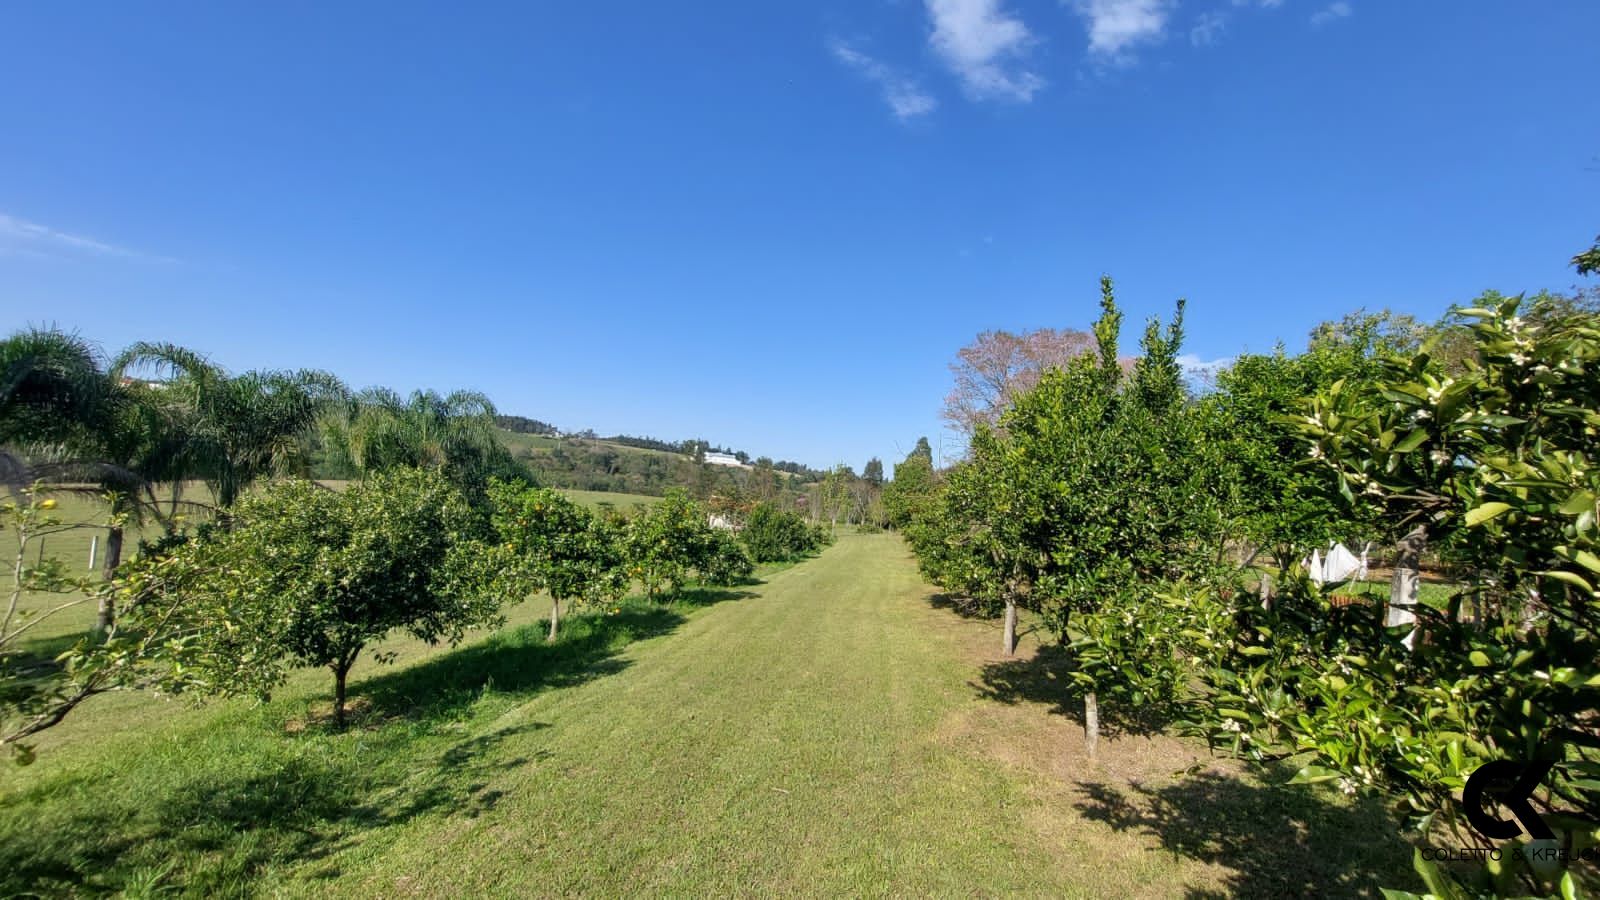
87	428
53	393
79	428
379	430
238	428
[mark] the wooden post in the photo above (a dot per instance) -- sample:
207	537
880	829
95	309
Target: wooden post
94	544
1091	722
1406	583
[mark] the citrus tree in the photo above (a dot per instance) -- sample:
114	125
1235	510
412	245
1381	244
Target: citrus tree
1498	460
548	542
773	534
307	576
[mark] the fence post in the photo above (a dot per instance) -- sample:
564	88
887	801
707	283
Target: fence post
1407	581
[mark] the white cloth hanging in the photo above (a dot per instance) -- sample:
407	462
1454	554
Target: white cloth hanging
1340	565
1314	567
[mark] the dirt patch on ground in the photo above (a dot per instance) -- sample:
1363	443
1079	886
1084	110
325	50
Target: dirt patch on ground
1148	798
358	713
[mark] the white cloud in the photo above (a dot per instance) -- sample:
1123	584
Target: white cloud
1333	12
1207	29
985	46
1115	26
905	96
1202	373
23	238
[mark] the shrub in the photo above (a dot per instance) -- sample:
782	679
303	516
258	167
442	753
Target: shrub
778	535
725	561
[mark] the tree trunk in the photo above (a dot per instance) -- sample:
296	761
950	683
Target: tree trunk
340	671
555	618
1091	722
1008	639
105	614
1406	582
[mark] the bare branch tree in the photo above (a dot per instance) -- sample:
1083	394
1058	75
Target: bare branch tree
999	366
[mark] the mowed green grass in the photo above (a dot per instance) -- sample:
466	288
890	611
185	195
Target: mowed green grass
624	503
517	442
830	730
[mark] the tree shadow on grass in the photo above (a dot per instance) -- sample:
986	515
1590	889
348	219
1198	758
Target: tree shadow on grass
214	831
706	595
212	818
518	662
1043	679
965	607
1275	840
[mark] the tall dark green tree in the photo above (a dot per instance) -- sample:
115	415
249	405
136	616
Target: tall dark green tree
913	486
872	473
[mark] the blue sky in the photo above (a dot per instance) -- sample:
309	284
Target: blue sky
771	224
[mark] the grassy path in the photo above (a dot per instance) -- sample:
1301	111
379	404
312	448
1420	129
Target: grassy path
826	732
782	742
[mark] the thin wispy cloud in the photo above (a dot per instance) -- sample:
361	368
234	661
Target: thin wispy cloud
1333	12
23	238
903	95
1208	29
986	47
1117	26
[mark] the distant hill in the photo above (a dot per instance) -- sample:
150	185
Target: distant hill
587	463
523	425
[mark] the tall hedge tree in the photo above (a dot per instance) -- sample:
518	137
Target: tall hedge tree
913	487
1093	488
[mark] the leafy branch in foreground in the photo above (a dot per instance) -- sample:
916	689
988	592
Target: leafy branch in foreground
33	694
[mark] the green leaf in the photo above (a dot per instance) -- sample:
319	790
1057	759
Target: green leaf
1570	578
1581	557
1486	512
1479	659
1412	441
1315	775
1439	882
